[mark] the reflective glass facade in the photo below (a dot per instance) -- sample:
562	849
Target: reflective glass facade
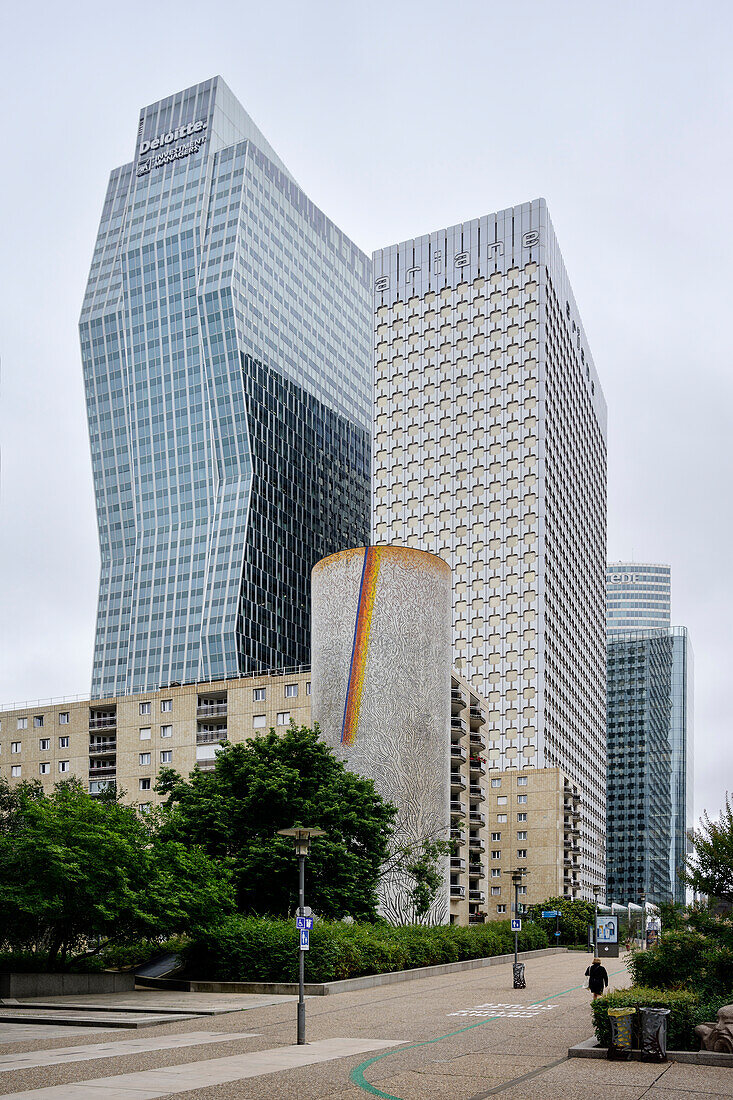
650	763
226	345
637	596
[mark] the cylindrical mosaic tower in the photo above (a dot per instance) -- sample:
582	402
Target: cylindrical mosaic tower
381	665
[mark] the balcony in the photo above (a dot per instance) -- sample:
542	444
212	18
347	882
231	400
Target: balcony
107	749
206	737
476	918
476	844
211	710
476	895
457	864
105	722
477	740
476	870
457	782
477	717
108	769
477	817
457	808
478	767
457	754
457	700
457	891
457	729
476	793
205	765
458	836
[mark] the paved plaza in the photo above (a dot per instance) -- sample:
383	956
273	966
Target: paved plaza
465	1036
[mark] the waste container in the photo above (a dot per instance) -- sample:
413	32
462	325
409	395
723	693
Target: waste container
519	982
653	1043
622	1033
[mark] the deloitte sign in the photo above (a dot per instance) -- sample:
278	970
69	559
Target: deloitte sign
166	147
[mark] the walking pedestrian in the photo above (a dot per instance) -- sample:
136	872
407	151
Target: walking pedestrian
597	978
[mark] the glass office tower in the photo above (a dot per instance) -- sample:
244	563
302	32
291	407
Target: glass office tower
649	763
637	596
226	345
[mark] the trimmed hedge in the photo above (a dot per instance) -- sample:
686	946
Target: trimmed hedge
692	959
687	1009
241	949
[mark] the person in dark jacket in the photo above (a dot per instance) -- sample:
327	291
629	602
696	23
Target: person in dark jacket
597	978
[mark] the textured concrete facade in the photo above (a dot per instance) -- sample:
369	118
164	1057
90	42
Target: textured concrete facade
381	648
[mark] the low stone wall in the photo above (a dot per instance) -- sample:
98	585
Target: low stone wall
57	985
590	1049
367	981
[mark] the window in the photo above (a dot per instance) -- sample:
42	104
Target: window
145	708
521	853
166	756
15	746
496	891
37	721
44	744
521	817
501	908
307	687
146	733
63	742
144	784
166	731
166	705
501	800
522	889
291	691
496	836
522	835
44	769
22	723
496	872
143	807
259	695
63	717
521	798
501	818
15	771
144	757
496	853
283	717
521	780
495	782
259	720
63	765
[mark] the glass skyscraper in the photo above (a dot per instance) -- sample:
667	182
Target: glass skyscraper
649	763
226	346
637	596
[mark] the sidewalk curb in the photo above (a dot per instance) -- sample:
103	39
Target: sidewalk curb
590	1049
367	981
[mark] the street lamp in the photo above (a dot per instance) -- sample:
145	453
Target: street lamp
302	837
517	877
642	902
596	891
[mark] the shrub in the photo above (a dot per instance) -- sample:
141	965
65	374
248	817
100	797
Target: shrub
260	950
686	1011
691	959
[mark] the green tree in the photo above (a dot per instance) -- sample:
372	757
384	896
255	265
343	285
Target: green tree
575	916
270	783
709	869
74	869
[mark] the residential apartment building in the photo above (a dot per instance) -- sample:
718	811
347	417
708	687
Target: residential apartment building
226	346
490	450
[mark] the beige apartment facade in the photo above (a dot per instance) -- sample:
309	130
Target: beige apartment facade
499	819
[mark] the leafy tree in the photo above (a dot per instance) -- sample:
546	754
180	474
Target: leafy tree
74	868
270	783
709	870
575	916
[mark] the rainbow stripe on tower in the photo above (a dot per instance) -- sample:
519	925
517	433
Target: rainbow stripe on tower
360	648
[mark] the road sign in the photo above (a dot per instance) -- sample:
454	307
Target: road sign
304	923
557	933
304	939
550	913
304	911
516	925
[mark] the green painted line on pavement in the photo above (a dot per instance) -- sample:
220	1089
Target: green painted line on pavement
357	1074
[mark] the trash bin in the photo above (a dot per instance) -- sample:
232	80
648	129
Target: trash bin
653	1043
622	1033
519	982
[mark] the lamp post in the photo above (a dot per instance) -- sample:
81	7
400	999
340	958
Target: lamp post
302	838
596	892
642	902
517	877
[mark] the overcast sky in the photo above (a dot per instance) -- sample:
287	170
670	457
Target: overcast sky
396	118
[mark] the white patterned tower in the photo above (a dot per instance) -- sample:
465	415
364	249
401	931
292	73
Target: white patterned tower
381	664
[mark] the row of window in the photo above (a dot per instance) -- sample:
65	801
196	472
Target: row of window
502	819
44	744
521	781
43	769
166	757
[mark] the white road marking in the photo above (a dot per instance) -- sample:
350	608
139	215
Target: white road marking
31	1059
496	1011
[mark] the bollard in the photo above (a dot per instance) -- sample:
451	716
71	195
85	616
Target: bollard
519	982
654	1034
622	1033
